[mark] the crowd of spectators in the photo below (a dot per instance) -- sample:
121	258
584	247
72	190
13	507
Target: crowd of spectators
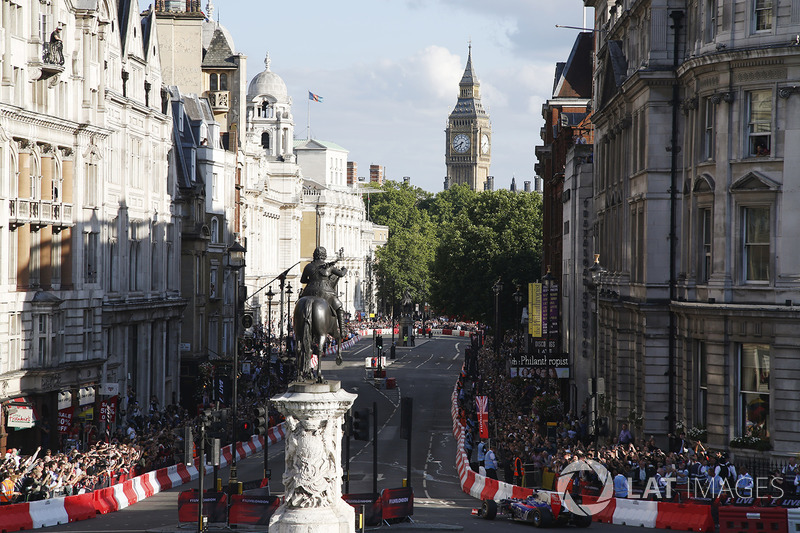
143	442
533	434
146	438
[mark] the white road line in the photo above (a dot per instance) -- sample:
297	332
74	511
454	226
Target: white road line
425	470
396	406
425	361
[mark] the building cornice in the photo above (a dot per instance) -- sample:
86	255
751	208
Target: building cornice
20	115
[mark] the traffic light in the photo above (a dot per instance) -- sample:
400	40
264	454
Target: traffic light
245	429
361	424
262	421
379	342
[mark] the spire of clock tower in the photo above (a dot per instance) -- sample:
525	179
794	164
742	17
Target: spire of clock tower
468	134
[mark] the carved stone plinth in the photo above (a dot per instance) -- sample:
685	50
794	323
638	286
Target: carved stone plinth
313	496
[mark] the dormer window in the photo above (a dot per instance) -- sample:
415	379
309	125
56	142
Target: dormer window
265	140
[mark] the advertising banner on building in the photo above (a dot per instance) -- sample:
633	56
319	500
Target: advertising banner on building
483	416
20	417
535	309
108	410
65	419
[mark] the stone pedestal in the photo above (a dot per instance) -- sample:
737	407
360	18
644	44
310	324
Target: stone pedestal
313	478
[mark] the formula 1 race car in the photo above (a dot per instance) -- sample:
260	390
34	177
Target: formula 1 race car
541	509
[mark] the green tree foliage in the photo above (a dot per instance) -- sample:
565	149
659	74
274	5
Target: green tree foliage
405	261
451	248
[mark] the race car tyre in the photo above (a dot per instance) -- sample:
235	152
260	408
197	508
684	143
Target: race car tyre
536	517
582	521
489	509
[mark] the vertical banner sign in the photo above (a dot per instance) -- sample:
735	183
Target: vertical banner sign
65	419
483	416
535	309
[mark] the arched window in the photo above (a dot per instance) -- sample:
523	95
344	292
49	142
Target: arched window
214	82
265	140
223	82
214	230
264	107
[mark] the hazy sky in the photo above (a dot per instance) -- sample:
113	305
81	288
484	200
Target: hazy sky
388	71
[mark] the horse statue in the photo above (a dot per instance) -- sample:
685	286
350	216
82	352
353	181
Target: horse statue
314	320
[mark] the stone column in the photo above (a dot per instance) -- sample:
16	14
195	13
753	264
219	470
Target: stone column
313	497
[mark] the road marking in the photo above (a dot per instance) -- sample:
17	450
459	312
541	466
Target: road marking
425	470
425	361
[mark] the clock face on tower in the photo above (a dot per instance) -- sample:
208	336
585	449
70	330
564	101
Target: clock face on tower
484	144
461	143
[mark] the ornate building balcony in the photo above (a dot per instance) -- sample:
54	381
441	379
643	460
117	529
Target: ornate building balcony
220	101
40	213
52	61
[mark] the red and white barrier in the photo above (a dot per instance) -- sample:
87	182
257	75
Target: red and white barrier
56	511
622	511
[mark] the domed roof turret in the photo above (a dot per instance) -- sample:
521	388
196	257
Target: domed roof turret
268	83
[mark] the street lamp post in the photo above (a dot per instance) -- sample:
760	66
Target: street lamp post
548	323
518	299
497	288
346	281
235	255
288	314
596	271
270	295
280	315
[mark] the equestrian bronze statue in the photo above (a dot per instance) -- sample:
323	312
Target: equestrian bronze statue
317	314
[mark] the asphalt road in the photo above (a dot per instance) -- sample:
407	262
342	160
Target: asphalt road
427	373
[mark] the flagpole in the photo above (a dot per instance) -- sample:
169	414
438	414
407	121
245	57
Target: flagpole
308	119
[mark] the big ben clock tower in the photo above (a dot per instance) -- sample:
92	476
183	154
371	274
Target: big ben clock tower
468	149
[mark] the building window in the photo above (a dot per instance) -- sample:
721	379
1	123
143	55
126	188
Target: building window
706	233
756	243
198	266
214	82
754	390
710	30
215	187
223	82
14	341
213	335
762	15
90	192
709	116
215	229
133	271
90	257
34	261
212	289
42	340
701	398
87	333
759	123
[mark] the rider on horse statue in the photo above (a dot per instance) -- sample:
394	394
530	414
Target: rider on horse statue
321	279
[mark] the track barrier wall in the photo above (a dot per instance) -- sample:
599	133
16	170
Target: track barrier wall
56	511
643	513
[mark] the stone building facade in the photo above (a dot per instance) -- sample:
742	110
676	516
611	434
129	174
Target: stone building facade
696	127
90	293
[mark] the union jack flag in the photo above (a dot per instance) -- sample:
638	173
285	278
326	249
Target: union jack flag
483	416
314	360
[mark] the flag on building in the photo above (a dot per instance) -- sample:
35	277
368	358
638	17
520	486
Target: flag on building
483	416
314	97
